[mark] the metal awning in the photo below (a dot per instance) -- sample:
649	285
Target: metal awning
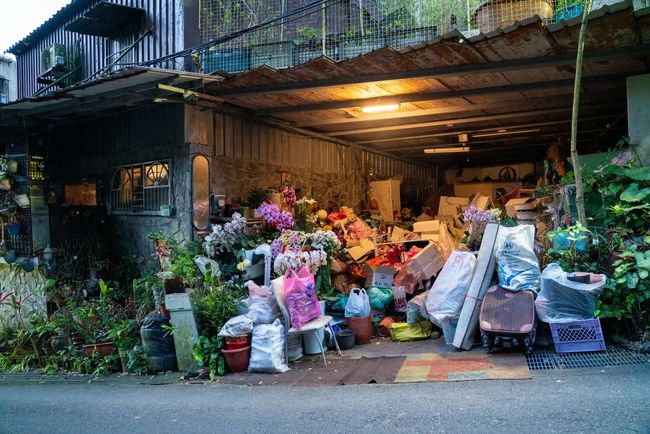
122	91
509	90
107	20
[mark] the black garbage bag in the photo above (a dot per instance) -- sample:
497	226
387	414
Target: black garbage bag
158	343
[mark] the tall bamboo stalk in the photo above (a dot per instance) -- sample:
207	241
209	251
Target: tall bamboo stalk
580	200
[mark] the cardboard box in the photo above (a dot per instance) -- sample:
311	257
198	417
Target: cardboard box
429	261
450	205
364	248
511	210
430	227
379	275
385	195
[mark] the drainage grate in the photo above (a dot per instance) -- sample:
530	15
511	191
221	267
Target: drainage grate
548	360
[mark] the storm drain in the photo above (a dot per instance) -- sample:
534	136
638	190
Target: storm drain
548	360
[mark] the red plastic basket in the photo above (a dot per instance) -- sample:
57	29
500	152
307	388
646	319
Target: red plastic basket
578	336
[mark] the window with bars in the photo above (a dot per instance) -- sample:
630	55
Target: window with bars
143	188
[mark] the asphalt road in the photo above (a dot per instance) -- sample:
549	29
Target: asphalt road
612	400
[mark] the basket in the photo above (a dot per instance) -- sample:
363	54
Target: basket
578	336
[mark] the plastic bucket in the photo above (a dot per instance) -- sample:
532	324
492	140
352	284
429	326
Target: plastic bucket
362	327
310	340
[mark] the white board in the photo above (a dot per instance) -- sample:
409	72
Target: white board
468	320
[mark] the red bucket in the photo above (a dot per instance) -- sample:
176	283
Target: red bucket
238	342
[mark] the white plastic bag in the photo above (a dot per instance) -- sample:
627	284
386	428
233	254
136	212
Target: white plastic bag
448	292
562	300
267	352
517	265
416	309
262	306
239	325
358	303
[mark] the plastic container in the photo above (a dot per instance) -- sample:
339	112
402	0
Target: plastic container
362	327
578	336
346	339
383	329
237	360
237	342
309	341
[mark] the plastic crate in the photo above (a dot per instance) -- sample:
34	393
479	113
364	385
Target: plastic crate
578	336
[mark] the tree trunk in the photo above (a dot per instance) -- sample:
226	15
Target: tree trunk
580	201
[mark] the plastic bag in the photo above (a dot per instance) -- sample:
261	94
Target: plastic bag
401	331
300	295
562	300
448	292
262	307
399	295
267	352
416	308
239	325
517	265
379	297
358	303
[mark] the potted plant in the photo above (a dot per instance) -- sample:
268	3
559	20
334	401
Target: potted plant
122	334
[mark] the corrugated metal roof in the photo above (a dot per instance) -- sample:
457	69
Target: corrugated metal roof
454	84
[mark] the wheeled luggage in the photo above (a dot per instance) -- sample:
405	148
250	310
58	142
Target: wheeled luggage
508	319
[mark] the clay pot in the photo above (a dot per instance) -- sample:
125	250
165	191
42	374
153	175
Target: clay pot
237	360
105	349
237	342
362	327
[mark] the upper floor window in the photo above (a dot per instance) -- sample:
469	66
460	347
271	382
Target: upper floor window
143	188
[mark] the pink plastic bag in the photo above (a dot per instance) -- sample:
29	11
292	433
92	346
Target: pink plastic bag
300	296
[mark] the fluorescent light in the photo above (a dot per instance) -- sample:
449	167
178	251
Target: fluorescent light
453	150
380	108
506	133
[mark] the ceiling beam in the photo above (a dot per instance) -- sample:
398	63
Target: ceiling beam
470	120
437	96
569	58
454	132
461	108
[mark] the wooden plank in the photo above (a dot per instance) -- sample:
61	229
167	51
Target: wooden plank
468	320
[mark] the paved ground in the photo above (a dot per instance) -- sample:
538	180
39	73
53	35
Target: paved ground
590	401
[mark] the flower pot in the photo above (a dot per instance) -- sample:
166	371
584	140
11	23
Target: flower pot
105	349
10	257
237	342
345	339
13	229
28	265
237	360
22	200
362	327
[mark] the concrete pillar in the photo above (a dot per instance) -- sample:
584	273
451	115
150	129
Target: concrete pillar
638	114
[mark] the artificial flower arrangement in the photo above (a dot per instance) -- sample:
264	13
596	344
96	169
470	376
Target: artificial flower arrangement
295	249
275	219
475	221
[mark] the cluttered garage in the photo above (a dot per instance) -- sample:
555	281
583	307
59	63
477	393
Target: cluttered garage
401	216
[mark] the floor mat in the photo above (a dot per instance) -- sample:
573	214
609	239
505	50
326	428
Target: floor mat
462	367
379	370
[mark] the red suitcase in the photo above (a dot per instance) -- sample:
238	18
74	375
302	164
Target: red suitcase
508	319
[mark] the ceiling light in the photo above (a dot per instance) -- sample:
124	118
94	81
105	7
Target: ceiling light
506	133
380	108
453	150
